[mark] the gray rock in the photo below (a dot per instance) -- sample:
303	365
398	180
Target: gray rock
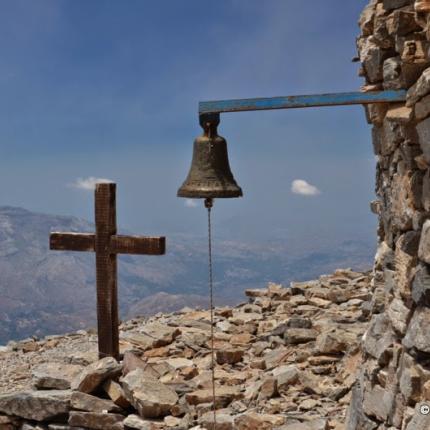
378	339
63	427
89	403
422	108
274	358
293	336
401	23
425	198
367	19
423	130
405	265
250	421
224	421
116	393
95	374
97	421
424	246
224	395
287	377
356	419
131	361
55	375
378	402
333	342
27	426
135	422
268	388
297	322
398	315
409	379
140	340
161	334
318	424
418	335
409	243
372	58
395	4
386	138
150	397
421	286
420	89
36	405
392	73
310	383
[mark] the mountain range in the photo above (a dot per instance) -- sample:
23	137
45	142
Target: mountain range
47	292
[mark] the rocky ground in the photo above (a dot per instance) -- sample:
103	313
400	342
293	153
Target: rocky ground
285	360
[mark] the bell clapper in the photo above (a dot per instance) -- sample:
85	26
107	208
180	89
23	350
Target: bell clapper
208	206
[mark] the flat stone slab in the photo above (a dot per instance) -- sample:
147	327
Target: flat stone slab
230	356
36	405
137	423
89	403
295	336
148	395
63	427
97	421
55	375
223	395
116	393
96	373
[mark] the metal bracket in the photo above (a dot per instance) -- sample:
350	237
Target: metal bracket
209	118
206	109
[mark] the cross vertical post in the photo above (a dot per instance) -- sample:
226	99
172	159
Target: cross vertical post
106	270
107	244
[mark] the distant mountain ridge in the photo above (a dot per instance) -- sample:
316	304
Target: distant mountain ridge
45	292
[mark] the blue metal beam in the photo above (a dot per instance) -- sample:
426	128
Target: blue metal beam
292	102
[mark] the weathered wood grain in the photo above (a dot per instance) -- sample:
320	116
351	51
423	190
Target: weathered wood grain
106	270
138	245
69	241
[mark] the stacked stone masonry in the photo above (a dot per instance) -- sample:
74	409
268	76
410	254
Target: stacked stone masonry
393	387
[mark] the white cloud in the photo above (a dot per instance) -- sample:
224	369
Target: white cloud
89	183
190	203
300	186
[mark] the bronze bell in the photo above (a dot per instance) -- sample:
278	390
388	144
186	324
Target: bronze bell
210	175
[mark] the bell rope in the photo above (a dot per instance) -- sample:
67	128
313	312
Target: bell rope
208	206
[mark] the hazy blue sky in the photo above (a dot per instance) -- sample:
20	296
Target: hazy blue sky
110	89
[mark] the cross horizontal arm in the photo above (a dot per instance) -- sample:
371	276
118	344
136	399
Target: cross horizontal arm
72	241
118	244
293	102
138	245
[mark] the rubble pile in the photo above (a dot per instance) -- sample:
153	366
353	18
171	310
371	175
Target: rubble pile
285	360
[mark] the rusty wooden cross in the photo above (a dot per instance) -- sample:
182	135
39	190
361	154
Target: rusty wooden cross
107	244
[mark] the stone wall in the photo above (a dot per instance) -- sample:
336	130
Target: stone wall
394	384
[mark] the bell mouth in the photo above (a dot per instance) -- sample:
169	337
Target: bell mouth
194	190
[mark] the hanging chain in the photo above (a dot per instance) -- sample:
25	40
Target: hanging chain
208	205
